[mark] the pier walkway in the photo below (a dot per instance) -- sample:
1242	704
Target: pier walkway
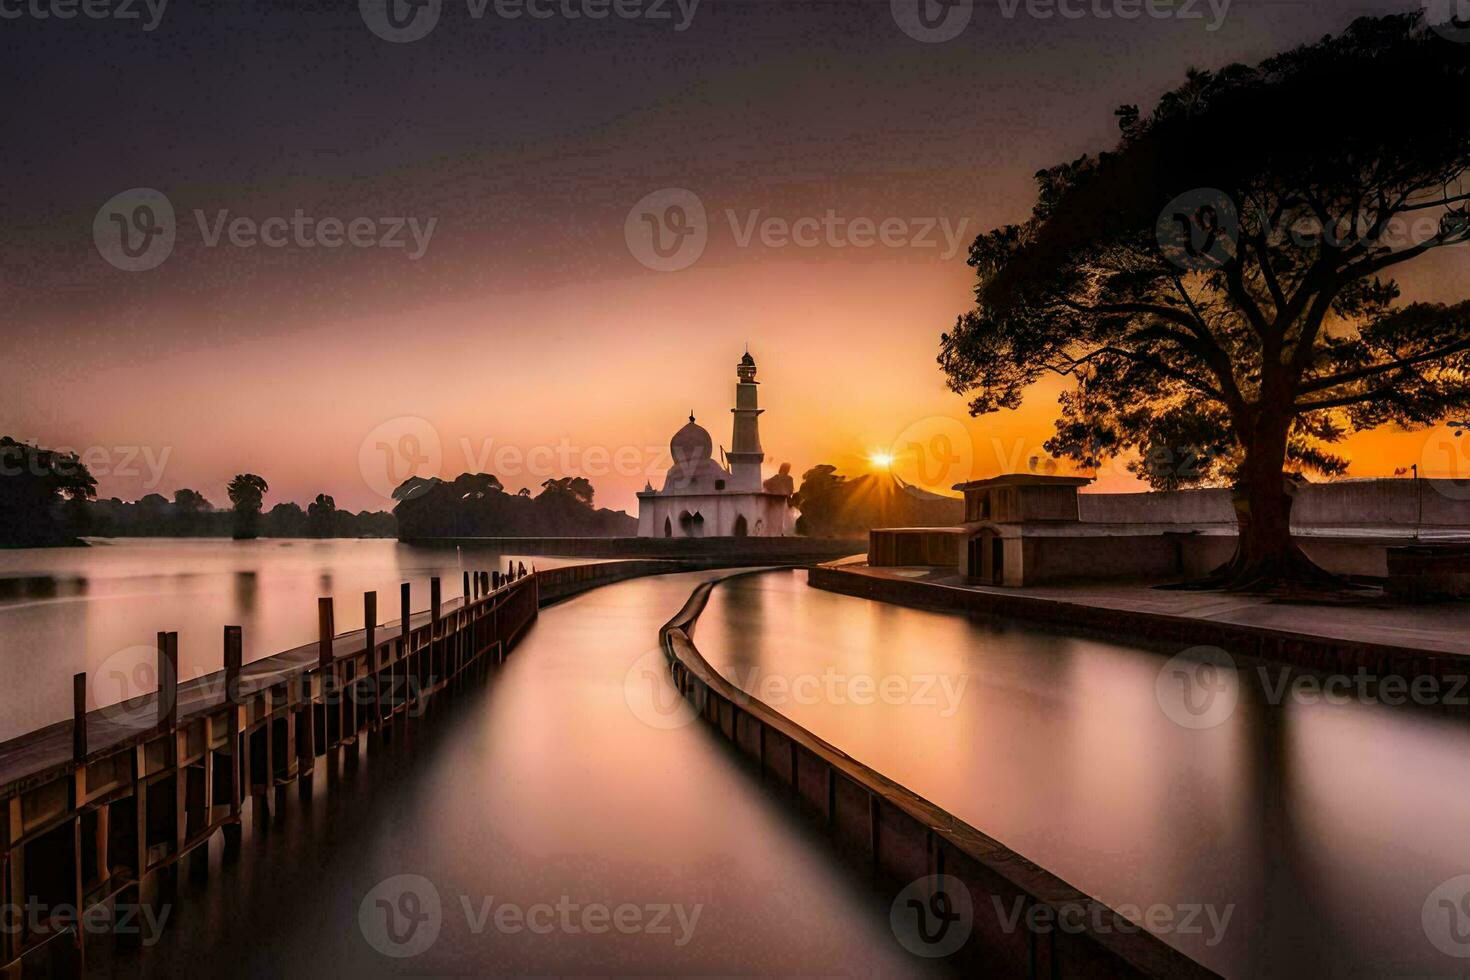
517	817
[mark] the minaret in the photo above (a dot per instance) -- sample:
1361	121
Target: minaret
745	453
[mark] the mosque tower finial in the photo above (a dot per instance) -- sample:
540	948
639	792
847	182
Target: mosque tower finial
745	453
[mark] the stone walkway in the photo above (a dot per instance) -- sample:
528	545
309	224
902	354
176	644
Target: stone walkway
1439	628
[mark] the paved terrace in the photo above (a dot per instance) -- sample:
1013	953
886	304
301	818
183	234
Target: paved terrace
1439	628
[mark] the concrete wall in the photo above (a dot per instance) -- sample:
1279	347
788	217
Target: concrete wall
903	837
1377	503
1047	559
1180	507
1184	556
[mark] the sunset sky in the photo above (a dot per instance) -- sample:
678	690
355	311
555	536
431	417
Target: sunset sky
528	333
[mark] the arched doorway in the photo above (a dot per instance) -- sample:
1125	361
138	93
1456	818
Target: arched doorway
668	528
741	529
686	524
696	525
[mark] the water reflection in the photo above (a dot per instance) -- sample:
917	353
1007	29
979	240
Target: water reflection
99	609
540	788
1325	826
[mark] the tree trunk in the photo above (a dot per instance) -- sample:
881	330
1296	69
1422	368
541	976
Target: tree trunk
1266	558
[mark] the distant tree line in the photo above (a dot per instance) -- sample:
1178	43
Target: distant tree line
190	515
47	499
477	505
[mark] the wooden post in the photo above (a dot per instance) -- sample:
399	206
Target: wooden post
405	612
168	679
435	604
466	588
326	629
234	653
370	631
79	716
326	622
239	747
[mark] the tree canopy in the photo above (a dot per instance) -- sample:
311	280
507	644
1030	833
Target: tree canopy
34	484
1217	288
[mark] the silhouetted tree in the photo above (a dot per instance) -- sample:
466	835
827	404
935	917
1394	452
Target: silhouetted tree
1214	284
286	520
576	486
321	516
35	484
476	505
247	492
191	502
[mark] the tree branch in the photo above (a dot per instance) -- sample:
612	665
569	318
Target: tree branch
1359	374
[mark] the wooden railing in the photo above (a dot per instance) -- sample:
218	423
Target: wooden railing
99	812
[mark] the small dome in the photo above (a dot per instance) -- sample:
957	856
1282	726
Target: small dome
747	359
694	469
691	444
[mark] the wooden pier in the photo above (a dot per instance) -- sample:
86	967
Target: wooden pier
97	813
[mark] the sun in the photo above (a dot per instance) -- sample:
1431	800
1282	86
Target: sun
881	460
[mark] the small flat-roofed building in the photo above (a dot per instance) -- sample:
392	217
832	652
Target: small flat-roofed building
1027	529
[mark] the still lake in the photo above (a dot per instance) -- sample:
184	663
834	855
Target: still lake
99	609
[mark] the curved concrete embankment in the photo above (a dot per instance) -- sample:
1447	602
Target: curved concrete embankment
907	838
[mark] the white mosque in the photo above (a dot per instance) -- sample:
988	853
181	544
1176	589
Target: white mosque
702	499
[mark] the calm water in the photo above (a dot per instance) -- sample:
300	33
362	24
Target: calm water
98	609
545	788
1327	826
1320	830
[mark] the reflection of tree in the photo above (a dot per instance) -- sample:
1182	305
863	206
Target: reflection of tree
1215	286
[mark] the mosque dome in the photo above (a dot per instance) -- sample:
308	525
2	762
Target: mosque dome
691	444
694	469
